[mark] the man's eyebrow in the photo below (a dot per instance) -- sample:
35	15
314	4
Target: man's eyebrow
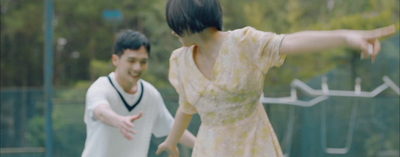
134	58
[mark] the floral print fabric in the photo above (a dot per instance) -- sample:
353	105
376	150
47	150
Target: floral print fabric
234	122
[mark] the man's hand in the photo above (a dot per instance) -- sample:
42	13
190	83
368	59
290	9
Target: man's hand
125	125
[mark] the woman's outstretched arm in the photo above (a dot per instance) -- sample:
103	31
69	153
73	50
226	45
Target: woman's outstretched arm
314	41
170	144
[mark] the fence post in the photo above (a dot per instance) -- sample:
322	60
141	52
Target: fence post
48	75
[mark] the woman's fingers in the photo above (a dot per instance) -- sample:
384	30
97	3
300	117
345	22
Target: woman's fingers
376	49
160	150
373	47
173	152
367	50
380	32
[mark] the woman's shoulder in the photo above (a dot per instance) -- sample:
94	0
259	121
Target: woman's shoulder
248	32
178	53
243	31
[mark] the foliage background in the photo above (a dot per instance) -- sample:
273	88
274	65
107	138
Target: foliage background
83	46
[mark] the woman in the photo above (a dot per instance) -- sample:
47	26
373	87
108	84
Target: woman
220	76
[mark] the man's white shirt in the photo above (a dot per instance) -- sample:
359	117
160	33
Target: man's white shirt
106	141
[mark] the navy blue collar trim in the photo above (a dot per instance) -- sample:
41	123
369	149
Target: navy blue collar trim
130	108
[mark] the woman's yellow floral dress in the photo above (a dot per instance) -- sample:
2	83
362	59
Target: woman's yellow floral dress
234	122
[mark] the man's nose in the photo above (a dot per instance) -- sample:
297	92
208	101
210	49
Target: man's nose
136	66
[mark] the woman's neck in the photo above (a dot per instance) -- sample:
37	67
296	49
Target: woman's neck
209	41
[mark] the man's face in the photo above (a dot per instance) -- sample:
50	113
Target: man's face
131	64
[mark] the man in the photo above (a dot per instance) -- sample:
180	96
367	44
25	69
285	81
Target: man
122	110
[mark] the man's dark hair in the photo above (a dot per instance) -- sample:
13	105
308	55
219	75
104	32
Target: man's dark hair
129	39
193	16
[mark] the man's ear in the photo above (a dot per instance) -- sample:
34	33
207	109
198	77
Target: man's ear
115	59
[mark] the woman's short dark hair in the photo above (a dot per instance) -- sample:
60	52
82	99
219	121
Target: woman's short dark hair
129	39
193	16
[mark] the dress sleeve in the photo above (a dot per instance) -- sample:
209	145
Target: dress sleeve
263	48
174	79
